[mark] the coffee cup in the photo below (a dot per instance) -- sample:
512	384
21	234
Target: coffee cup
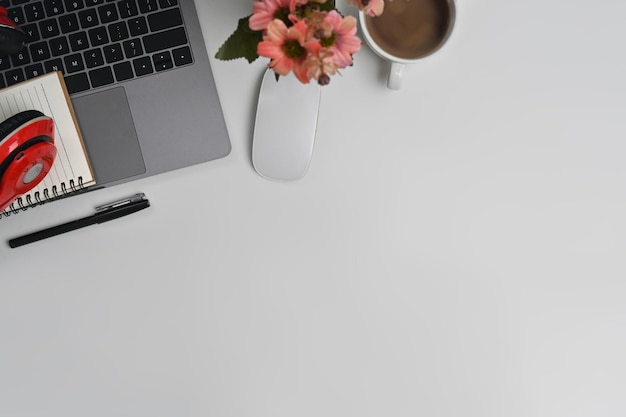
408	31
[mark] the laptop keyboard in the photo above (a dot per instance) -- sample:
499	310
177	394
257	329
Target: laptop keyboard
95	43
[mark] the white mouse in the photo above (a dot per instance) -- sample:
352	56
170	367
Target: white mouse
285	126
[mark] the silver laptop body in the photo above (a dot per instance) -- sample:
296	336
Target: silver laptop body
152	105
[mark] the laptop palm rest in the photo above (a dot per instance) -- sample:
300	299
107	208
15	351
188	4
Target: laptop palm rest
109	134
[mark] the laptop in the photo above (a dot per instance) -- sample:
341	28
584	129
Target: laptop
138	75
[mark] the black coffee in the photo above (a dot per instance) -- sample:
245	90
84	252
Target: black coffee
410	28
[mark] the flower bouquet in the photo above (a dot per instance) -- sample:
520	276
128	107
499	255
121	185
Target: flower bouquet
310	38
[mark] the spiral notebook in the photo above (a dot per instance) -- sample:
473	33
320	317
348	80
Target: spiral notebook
71	171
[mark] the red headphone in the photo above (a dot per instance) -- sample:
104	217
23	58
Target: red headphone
27	148
27	152
11	36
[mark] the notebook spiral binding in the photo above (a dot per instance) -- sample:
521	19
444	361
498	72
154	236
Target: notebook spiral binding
23	203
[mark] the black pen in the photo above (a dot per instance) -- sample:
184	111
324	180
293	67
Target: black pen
103	214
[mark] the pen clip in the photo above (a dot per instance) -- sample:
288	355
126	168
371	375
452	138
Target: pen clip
128	200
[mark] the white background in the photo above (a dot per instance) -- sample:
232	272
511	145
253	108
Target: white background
456	248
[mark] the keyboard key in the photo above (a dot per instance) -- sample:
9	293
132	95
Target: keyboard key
14	76
101	76
73	5
90	3
108	13
55	64
137	26
32	32
93	58
123	71
34	11
182	56
162	61
164	40
164	20
113	53
68	23
73	63
20	58
118	31
49	28
132	48
16	14
76	83
147	6
5	63
143	66
128	8
98	36
88	18
53	7
39	51
59	46
34	70
167	3
78	41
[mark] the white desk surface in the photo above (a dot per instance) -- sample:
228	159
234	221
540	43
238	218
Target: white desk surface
456	248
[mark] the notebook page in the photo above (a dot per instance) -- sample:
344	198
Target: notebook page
48	95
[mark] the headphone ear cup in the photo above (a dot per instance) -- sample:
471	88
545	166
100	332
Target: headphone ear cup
29	168
27	153
12	38
15	121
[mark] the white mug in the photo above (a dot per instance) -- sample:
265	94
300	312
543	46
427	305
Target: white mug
398	63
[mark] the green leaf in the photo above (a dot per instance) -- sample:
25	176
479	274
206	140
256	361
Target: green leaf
242	43
327	6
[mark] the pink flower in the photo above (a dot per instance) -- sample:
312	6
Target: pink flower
321	66
317	27
343	41
288	48
264	11
371	7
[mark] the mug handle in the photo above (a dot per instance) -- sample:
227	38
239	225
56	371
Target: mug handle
394	80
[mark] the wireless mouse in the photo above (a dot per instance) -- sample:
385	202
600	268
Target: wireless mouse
285	126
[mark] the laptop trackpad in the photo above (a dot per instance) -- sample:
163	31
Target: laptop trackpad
109	134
